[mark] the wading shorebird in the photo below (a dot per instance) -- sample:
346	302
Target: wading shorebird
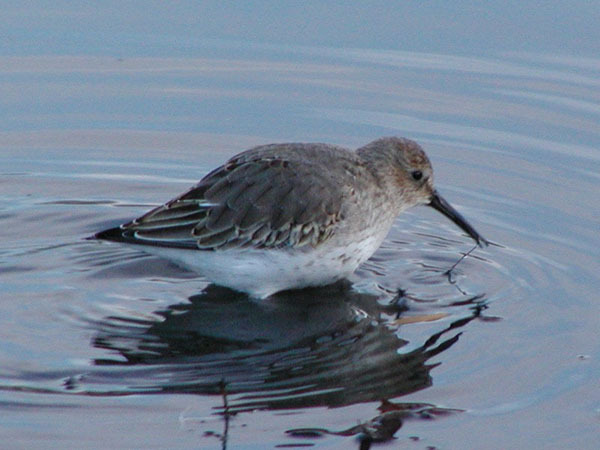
287	216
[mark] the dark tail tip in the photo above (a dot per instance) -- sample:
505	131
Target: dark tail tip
112	234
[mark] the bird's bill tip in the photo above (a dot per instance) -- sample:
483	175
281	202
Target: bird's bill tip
438	203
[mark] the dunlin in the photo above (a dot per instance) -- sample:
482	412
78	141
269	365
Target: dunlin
287	216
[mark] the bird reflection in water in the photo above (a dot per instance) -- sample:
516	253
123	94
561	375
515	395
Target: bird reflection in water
329	347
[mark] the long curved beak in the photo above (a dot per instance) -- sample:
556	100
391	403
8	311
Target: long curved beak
438	202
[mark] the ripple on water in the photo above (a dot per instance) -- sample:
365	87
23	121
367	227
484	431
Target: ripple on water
88	319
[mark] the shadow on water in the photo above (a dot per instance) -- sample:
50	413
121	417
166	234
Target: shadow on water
328	347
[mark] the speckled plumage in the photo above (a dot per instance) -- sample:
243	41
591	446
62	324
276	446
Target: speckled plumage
284	216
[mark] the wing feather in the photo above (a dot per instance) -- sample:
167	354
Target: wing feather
259	202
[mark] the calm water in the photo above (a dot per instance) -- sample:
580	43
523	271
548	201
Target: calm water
102	346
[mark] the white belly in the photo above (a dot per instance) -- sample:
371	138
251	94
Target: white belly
261	273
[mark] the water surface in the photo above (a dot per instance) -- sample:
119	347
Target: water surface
103	346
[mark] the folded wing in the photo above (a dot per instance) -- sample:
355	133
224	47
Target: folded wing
267	202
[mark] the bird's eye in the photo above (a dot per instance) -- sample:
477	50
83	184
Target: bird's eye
417	175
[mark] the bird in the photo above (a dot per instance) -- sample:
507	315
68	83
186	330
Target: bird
288	216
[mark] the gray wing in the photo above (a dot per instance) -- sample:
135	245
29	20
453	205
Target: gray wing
265	202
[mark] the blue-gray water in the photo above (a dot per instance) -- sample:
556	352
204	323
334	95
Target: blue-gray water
106	112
